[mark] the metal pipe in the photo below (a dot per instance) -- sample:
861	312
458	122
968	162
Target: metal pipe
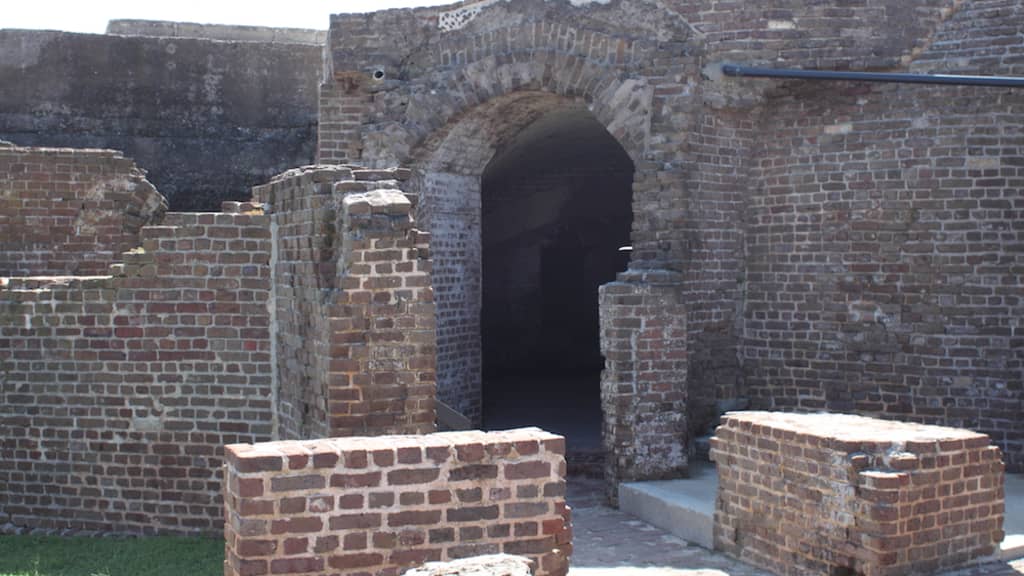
737	71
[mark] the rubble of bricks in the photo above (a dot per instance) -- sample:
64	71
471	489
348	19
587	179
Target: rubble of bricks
382	505
66	212
841	494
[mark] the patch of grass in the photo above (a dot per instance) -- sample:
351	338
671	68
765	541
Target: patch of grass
164	556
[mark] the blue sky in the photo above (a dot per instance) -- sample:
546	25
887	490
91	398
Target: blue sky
92	16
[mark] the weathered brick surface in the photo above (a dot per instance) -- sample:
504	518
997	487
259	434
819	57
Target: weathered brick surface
643	386
839	246
118	392
382	505
884	243
70	212
354	313
831	494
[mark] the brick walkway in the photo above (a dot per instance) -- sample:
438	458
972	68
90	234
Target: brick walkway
607	542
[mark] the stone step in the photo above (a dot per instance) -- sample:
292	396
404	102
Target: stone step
685	508
1012	547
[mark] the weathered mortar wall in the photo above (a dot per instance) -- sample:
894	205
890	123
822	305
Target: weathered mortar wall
118	393
354	313
208	119
884	243
70	212
380	505
836	494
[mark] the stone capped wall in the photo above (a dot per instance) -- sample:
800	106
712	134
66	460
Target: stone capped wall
381	505
353	304
118	392
208	119
837	494
70	212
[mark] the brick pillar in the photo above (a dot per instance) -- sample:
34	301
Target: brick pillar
643	386
382	327
843	494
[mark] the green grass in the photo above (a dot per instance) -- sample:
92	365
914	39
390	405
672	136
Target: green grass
52	556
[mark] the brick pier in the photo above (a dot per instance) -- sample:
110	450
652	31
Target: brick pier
842	495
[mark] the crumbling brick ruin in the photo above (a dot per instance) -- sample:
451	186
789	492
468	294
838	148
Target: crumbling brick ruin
552	191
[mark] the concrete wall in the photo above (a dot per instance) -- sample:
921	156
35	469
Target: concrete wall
118	393
207	119
229	33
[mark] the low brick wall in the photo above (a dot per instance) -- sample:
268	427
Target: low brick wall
382	505
838	494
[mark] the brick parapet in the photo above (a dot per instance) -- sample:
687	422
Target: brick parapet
381	505
824	493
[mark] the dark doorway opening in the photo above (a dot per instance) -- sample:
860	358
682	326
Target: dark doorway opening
556	217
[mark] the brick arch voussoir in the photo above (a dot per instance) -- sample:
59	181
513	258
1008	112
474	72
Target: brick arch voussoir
619	102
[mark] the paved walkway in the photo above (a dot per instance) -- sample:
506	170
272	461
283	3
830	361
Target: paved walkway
607	542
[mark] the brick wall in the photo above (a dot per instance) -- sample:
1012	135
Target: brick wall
469	91
837	494
118	393
70	212
353	305
883	244
382	505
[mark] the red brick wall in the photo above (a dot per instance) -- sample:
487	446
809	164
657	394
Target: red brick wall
118	393
884	243
643	386
70	212
381	505
835	494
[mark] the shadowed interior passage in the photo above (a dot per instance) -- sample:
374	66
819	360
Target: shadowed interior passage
556	212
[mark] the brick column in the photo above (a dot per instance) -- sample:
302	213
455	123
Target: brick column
643	386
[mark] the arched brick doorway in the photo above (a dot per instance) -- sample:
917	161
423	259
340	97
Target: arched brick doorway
555	216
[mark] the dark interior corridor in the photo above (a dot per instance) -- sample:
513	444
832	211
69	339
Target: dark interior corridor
556	213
